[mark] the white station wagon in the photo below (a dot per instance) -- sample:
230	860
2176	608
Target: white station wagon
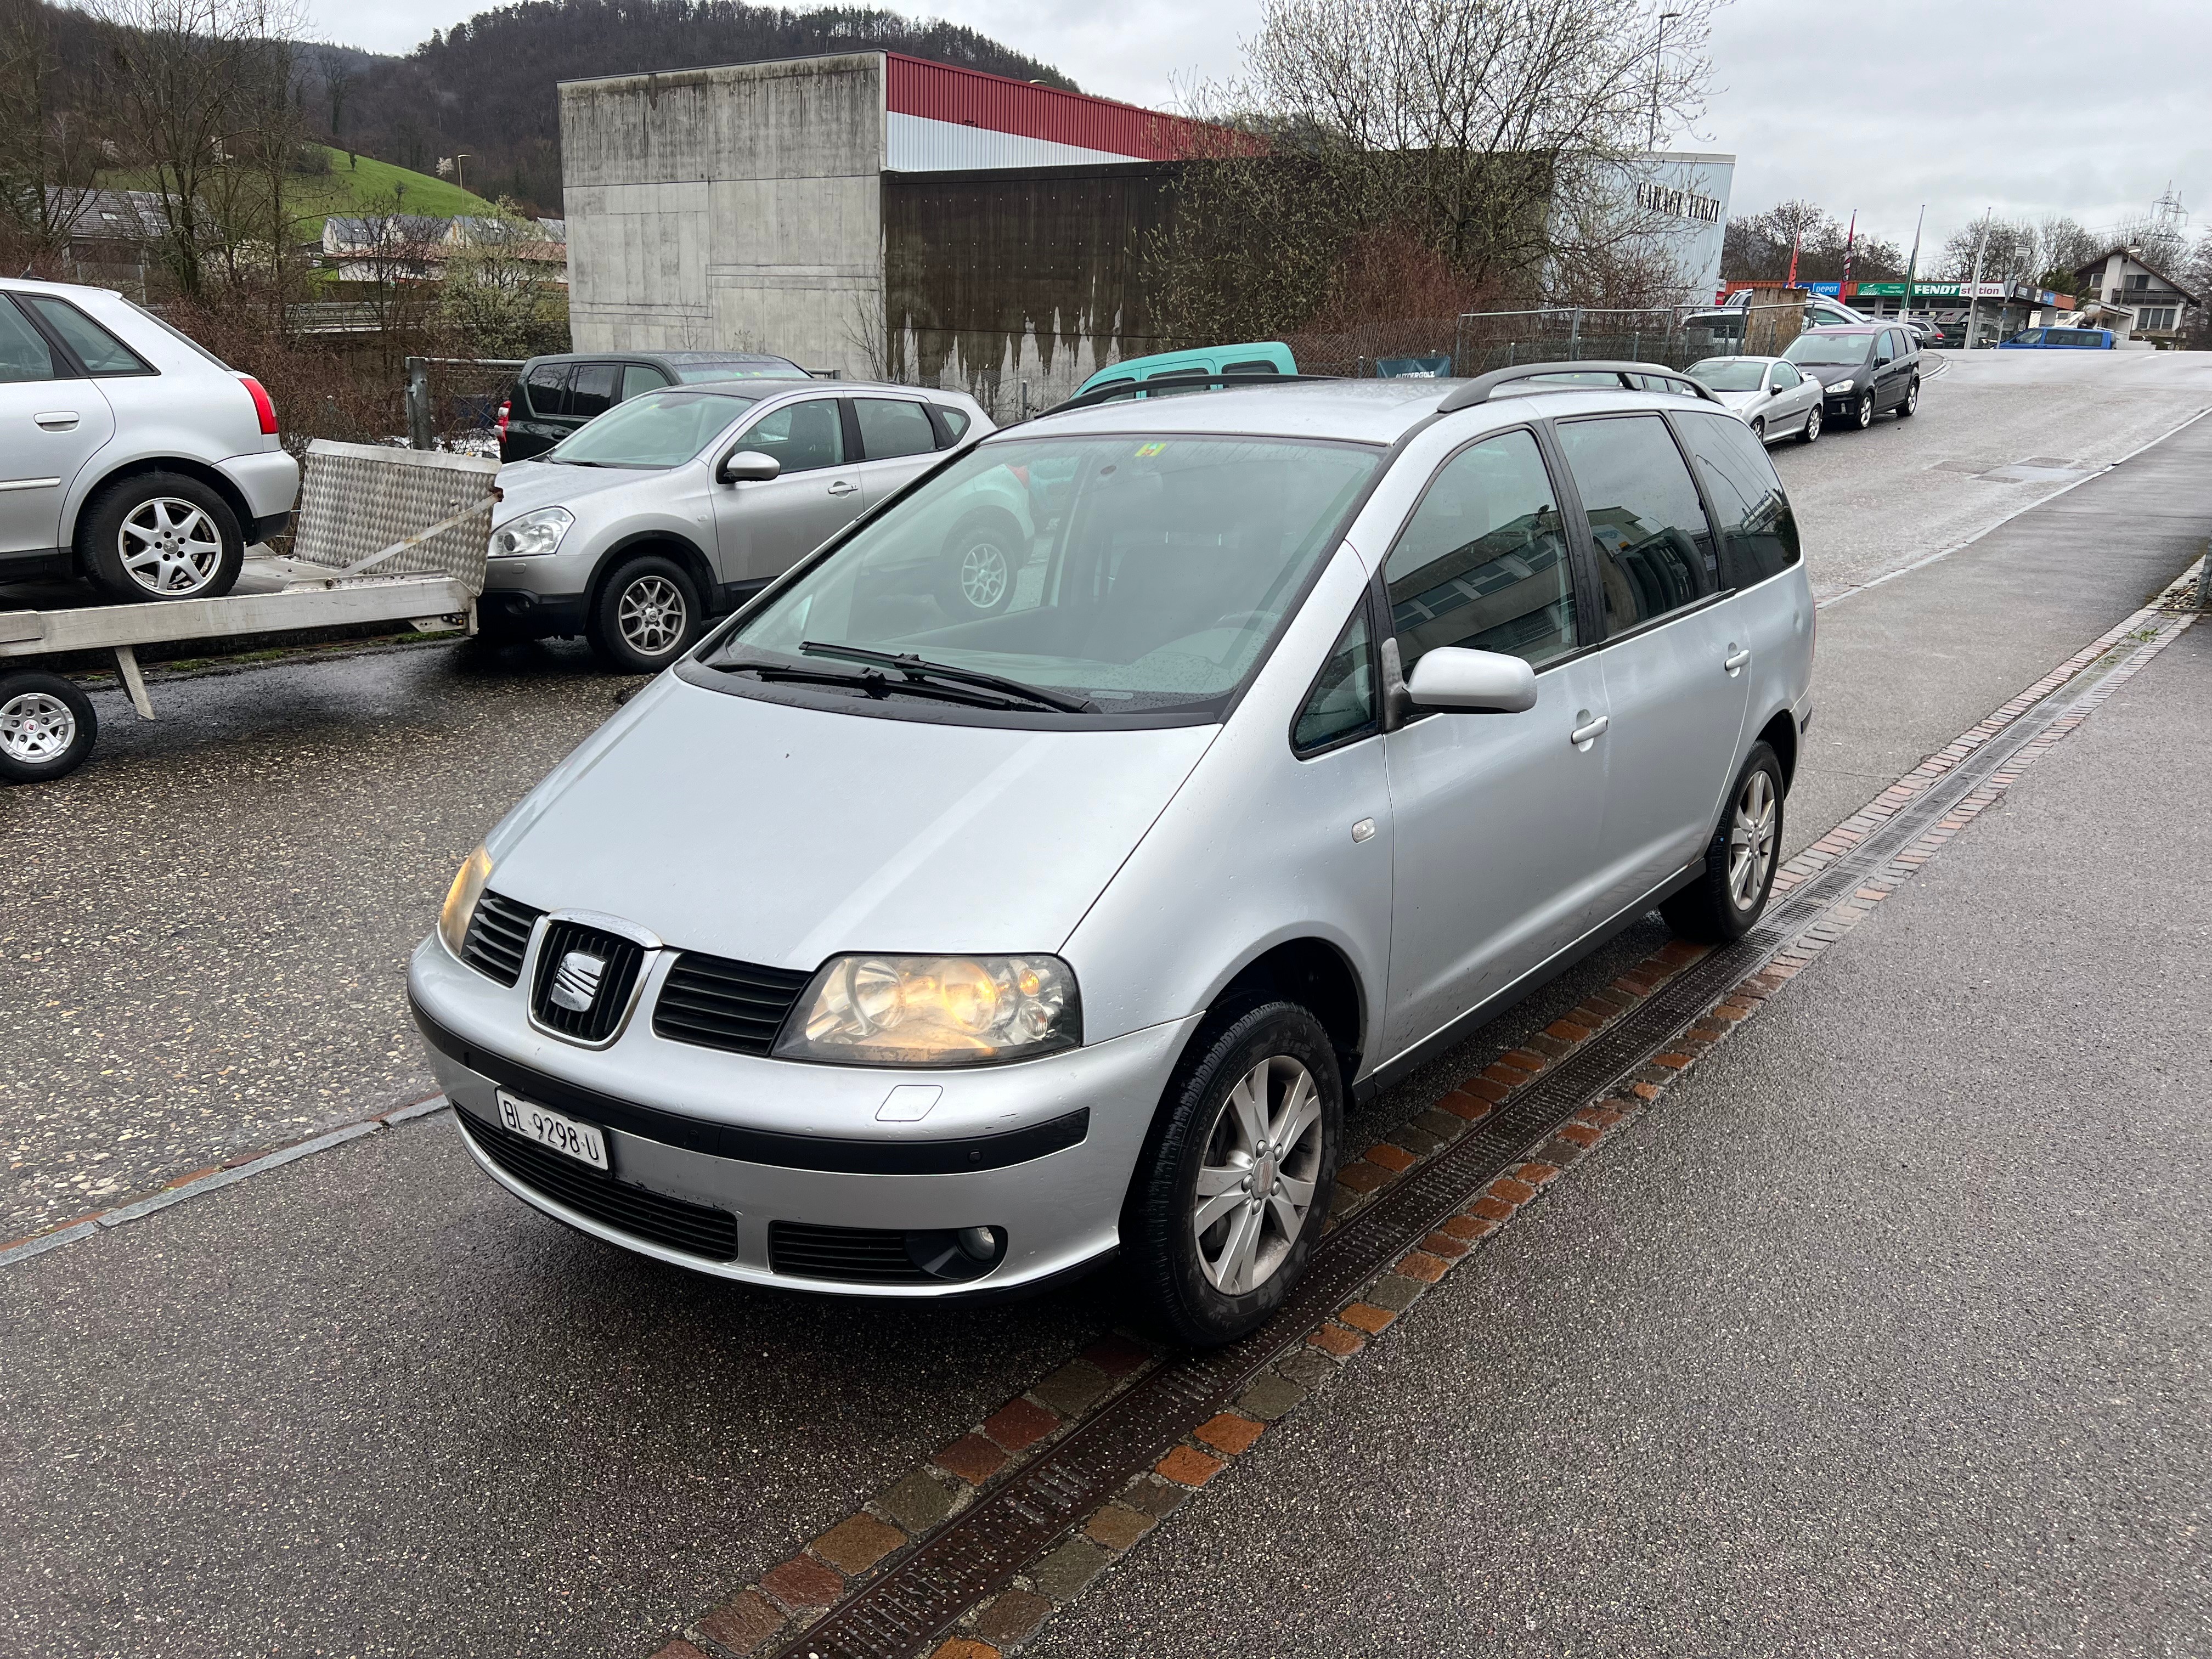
877	948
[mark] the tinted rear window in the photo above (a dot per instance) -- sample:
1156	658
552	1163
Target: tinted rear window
1758	533
547	386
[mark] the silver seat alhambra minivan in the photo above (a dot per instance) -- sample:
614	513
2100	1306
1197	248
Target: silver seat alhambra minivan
880	947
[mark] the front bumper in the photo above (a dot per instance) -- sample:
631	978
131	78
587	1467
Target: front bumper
994	1152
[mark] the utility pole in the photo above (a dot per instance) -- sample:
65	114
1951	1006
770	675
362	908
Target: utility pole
460	176
1658	48
1912	259
1974	299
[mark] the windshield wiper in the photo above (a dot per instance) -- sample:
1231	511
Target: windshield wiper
873	683
919	668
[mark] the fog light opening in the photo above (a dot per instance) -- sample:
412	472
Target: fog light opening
958	1254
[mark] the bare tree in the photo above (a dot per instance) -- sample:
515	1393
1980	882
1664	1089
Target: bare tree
2011	253
2161	243
202	90
1501	134
339	78
2062	247
498	298
51	147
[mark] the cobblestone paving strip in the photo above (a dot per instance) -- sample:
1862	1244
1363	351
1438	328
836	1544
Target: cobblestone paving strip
968	1556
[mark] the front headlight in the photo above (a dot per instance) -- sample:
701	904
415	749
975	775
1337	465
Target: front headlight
934	1011
1839	386
461	899
530	534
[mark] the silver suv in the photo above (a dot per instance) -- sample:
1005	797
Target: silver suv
678	504
129	453
882	948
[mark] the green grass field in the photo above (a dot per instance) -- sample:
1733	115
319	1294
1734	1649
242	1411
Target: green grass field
370	186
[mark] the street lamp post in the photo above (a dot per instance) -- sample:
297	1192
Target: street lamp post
1658	48
461	173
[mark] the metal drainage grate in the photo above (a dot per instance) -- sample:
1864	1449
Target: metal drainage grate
856	1256
499	936
719	1004
696	1229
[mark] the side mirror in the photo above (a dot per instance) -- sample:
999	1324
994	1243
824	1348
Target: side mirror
1479	681
747	466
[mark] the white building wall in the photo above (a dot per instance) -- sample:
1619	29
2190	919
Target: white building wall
916	144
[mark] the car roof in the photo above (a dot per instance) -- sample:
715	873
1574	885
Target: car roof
1377	411
1849	328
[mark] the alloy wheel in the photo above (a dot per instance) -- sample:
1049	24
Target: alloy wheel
1257	1180
1813	425
1865	415
170	546
36	727
1758	430
985	575
1750	839
651	615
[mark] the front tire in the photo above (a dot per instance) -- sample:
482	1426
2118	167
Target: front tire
46	728
1758	430
158	536
646	615
1231	1194
1862	411
1811	432
1730	892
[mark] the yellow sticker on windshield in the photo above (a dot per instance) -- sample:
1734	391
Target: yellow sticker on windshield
1144	450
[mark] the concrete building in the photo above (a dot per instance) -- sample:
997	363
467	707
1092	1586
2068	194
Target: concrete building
1684	195
834	209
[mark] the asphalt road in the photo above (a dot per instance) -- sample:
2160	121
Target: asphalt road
367	1404
1890	1332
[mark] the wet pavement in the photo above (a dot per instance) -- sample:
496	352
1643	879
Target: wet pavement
367	1404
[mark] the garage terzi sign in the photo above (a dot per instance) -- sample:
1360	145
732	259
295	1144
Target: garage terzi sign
1677	203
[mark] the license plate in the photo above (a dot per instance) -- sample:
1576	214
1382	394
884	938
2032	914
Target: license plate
581	1141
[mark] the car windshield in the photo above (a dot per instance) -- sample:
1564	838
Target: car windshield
1731	374
1830	348
659	429
697	372
1148	576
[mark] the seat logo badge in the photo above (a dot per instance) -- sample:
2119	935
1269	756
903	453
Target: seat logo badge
576	982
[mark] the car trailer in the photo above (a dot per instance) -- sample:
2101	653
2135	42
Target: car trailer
383	535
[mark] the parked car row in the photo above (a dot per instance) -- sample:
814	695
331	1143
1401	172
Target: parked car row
1828	376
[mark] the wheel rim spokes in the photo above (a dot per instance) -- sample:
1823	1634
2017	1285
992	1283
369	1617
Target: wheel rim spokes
35	726
1751	828
169	546
651	614
1259	1175
983	575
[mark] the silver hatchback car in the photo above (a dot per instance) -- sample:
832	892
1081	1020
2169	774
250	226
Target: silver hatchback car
880	948
675	505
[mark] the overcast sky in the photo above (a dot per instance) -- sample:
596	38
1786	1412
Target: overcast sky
2030	107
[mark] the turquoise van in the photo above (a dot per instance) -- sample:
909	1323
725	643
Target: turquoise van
1253	357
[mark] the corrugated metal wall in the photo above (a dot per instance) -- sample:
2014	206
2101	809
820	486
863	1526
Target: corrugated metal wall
915	143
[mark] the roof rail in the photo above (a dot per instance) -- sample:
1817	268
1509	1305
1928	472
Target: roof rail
1478	390
1172	383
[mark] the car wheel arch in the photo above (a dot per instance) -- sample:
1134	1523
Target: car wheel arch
212	477
1780	734
684	550
1309	970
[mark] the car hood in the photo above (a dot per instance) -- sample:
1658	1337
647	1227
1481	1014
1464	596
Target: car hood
1826	373
1738	399
782	835
526	486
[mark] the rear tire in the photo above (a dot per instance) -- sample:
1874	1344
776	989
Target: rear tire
1234	1185
1730	892
647	614
1911	399
160	537
46	728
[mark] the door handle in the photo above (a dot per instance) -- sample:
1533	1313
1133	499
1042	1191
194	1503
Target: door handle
56	419
1737	661
841	488
1583	736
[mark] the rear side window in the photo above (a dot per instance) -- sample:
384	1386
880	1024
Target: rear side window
548	386
1483	560
1759	533
24	353
99	351
892	426
1655	550
952	423
592	390
1341	705
639	377
1253	368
